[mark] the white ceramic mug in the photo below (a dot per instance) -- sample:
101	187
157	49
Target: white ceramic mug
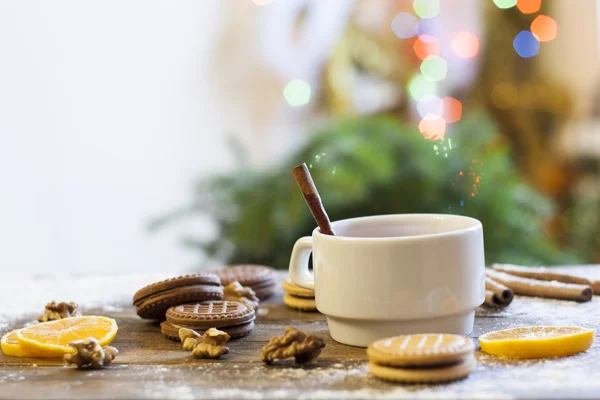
389	275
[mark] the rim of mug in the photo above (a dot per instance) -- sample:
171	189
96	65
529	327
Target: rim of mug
476	224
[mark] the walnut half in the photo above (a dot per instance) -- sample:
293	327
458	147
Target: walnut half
236	292
209	345
293	343
189	338
89	353
60	310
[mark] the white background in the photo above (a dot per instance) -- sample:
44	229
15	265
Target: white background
110	111
106	116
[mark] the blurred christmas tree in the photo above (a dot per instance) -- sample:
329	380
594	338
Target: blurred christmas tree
378	165
495	161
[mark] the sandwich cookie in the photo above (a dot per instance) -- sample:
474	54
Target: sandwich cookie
422	358
233	317
298	297
259	278
154	300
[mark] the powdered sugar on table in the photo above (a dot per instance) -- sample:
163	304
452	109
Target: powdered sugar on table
329	377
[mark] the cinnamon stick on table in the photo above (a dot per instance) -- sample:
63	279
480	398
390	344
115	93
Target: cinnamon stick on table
496	294
538	288
546	274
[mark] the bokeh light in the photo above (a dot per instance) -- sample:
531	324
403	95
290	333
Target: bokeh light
467	181
297	93
505	3
504	95
424	49
434	68
526	45
443	146
452	109
432	127
465	45
544	28
404	25
428	29
430	105
426	8
262	2
529	6
420	87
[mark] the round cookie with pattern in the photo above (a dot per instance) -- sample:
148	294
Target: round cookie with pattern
210	314
246	274
420	350
260	278
422	358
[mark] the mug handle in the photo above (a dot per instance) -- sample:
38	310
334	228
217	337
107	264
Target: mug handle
299	273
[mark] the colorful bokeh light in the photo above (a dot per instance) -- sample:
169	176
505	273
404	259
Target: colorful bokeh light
421	88
544	28
404	25
465	45
452	109
432	127
505	3
529	6
428	29
430	105
526	45
434	68
297	93
426	8
424	49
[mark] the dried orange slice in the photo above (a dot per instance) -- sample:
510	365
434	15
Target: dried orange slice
537	341
51	339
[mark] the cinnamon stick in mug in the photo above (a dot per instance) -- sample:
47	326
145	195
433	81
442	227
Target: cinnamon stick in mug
539	288
546	274
496	294
312	198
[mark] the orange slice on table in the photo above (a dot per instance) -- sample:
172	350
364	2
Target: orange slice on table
537	341
10	345
51	339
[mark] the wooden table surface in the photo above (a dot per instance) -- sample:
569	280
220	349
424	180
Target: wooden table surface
151	366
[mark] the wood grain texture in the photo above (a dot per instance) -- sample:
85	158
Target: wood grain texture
151	366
